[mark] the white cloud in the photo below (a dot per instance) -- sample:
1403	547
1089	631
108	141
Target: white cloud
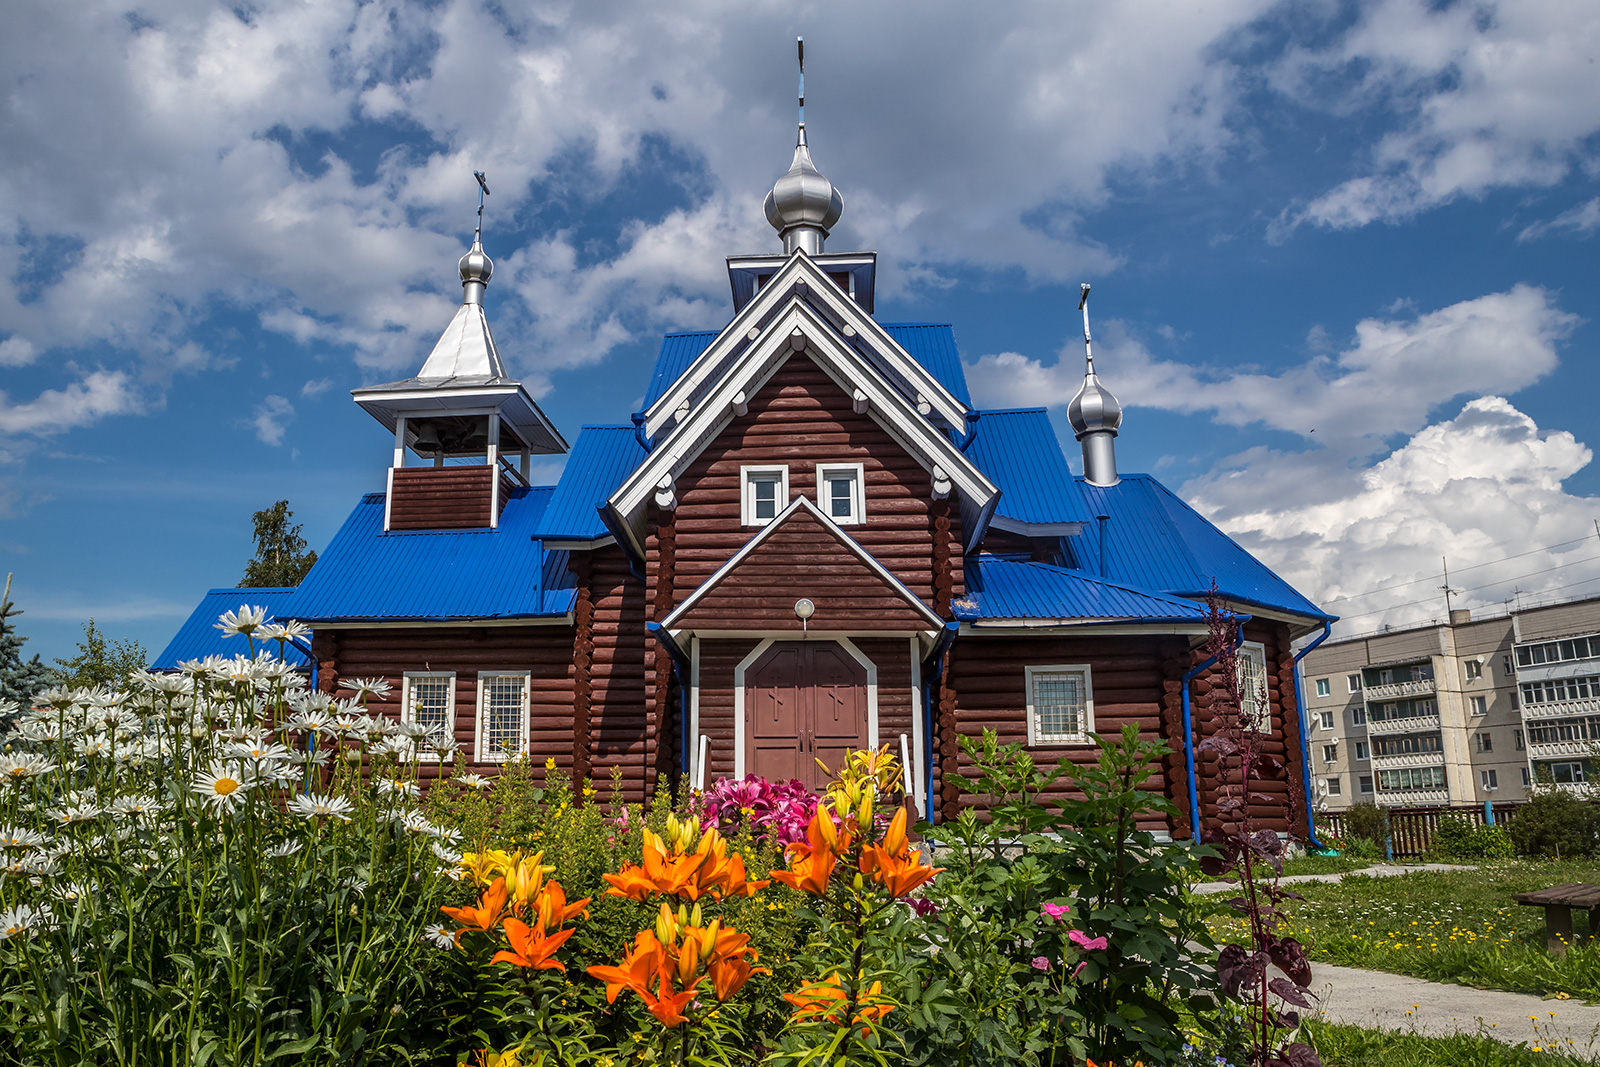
17	352
54	411
1391	376
1483	490
1582	220
271	419
1488	95
316	387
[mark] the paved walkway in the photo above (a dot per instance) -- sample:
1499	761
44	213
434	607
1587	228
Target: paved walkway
1380	870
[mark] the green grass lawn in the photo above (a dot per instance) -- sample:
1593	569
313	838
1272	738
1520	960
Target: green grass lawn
1353	1046
1456	926
1324	865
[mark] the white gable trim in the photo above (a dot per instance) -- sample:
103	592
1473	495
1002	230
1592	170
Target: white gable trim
755	367
800	503
830	301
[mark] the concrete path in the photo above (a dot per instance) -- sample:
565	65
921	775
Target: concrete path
1380	870
1382	1001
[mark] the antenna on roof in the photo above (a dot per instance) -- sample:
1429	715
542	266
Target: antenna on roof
483	191
800	47
1083	306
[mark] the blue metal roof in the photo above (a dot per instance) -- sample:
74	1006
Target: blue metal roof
437	574
1020	453
601	458
1156	541
932	344
1014	589
199	637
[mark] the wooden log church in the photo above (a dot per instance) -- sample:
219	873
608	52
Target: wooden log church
809	540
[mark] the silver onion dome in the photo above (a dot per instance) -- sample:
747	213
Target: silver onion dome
803	205
476	270
1094	408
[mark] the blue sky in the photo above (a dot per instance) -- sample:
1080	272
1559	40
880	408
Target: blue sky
1343	255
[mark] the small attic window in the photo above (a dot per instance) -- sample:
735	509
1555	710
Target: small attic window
764	491
841	494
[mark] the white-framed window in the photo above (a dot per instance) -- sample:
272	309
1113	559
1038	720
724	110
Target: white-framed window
1505	665
1527	779
428	698
1354	682
1363	750
1252	685
1474	670
841	492
1480	705
1330	753
1485	742
1358	715
502	715
1366	783
1324	687
1060	704
1334	787
1490	779
764	491
1327	720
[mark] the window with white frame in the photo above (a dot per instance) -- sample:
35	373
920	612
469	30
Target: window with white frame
1480	705
1330	753
1327	720
1334	787
764	492
1252	668
1354	682
502	714
1060	705
428	698
1485	742
1363	750
1324	687
841	492
1490	779
1474	670
1358	715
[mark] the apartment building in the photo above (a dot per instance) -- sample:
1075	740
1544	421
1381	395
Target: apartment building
1456	712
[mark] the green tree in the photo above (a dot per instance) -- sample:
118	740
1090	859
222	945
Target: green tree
281	557
19	678
100	662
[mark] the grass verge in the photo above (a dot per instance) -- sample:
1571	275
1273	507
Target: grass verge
1354	1046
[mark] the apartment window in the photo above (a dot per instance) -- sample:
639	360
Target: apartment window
1474	670
1521	745
1354	682
1253	686
1490	778
840	492
1366	783
1363	750
1566	773
1558	689
1060	705
1334	787
1527	779
1330	753
765	493
1480	705
1324	687
1327	720
502	715
1411	778
1386	676
1505	664
428	698
1358	715
1484	742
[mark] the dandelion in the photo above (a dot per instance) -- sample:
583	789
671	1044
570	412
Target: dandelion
22	919
314	807
244	621
222	786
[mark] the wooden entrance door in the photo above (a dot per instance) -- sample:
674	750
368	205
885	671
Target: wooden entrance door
803	701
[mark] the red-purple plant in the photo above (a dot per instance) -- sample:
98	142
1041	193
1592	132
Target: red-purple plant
1254	859
776	811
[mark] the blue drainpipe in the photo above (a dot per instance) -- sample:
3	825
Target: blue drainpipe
1188	734
1305	730
932	671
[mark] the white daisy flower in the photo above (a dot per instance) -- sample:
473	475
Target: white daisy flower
349	724
21	839
258	750
23	919
445	745
318	758
413	730
284	849
358	884
136	807
447	855
164	683
474	781
94	745
398	787
394	746
246	620
378	687
75	813
314	807
223	785
439	936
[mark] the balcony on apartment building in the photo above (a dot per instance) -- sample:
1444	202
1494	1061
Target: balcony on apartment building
1402	717
1413	687
1411	798
1398	681
1559	709
1407	759
1562	658
1550	750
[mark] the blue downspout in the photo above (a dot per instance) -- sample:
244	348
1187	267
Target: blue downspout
681	668
932	671
638	431
1188	736
971	419
1305	730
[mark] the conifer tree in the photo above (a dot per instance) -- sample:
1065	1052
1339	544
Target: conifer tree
20	679
281	557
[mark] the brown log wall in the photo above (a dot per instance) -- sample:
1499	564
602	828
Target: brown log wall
543	651
621	731
441	498
801	418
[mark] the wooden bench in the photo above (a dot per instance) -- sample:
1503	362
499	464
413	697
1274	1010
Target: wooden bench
1558	902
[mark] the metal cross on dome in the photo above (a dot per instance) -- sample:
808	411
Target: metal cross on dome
483	191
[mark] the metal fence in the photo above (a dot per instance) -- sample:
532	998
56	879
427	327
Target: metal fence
1411	829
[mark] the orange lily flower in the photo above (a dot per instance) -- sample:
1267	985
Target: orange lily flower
732	880
822	1000
729	975
894	864
811	863
552	908
663	871
647	959
533	948
486	915
668	1007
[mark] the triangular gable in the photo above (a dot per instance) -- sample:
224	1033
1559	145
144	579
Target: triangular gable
850	589
801	278
801	328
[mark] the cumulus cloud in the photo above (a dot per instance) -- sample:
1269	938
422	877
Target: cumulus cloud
271	419
54	411
1483	490
1393	373
17	352
1580	221
1487	95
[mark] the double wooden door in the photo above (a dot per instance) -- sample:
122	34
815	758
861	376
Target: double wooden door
803	701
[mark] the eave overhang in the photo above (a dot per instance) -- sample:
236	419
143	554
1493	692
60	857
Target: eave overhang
421	397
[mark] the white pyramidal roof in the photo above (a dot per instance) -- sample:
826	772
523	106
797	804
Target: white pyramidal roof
466	349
